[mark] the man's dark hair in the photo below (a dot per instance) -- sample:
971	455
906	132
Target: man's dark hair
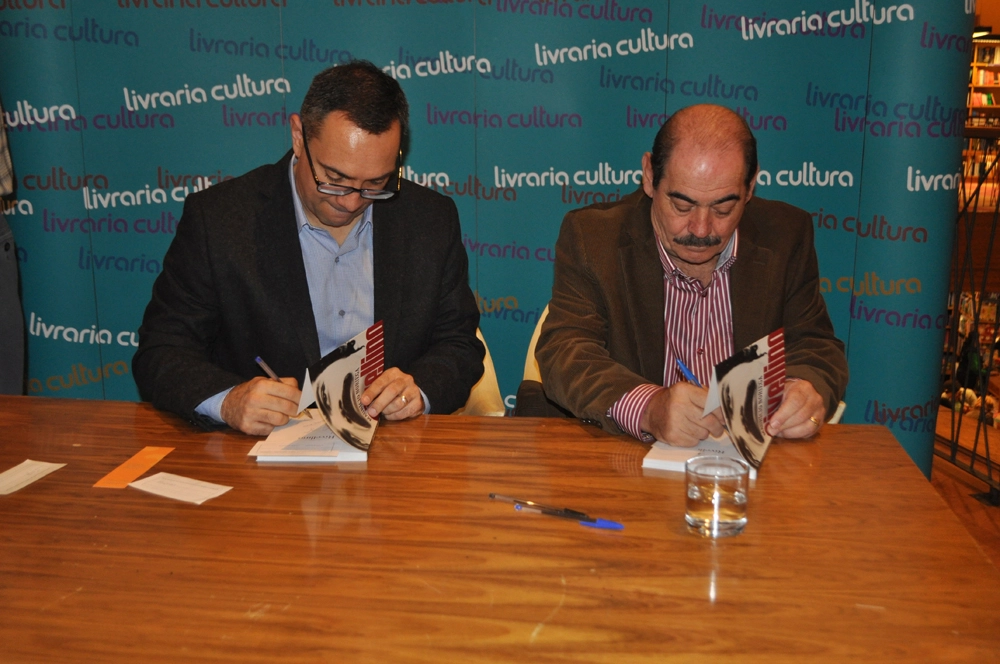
669	134
371	99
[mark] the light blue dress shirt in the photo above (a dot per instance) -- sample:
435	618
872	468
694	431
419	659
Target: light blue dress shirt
341	282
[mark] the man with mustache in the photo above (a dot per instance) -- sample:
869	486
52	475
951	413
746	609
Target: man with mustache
690	268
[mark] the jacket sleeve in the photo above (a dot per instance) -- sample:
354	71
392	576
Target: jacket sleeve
173	367
573	351
812	351
447	357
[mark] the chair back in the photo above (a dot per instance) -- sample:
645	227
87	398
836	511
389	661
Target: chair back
484	398
837	414
531	370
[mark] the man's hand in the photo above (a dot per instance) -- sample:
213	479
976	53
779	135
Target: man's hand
674	416
395	395
801	413
260	404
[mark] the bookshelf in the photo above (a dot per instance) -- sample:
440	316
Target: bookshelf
984	84
982	124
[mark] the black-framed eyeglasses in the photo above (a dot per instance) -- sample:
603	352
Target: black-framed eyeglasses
344	190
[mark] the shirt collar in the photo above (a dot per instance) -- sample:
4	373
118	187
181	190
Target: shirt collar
726	258
300	214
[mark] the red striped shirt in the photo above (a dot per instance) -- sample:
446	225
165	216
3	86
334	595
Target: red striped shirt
697	329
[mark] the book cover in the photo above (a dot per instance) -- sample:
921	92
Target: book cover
338	380
748	387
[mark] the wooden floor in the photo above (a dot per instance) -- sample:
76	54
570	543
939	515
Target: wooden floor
958	489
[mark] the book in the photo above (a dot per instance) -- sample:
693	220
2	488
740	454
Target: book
748	387
305	440
662	456
339	429
338	380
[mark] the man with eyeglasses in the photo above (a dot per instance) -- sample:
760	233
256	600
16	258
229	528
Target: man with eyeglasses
293	259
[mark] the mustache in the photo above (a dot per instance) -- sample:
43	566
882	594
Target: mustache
695	241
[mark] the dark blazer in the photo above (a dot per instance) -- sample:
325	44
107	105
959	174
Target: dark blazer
233	287
604	332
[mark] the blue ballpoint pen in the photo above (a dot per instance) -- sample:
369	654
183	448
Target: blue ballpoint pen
263	365
561	512
691	378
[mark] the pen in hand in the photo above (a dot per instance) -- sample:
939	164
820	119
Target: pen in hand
273	376
691	378
267	369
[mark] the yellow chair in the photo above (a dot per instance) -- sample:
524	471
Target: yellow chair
484	398
531	371
531	399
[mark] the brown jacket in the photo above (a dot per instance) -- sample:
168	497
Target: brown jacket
604	332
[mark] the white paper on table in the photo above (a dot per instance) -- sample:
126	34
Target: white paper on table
24	474
173	486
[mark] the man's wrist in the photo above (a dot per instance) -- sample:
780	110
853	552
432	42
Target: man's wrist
629	410
212	406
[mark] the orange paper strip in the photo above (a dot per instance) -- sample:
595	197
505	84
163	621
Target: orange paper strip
141	461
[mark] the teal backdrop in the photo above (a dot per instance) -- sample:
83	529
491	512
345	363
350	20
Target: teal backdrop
521	110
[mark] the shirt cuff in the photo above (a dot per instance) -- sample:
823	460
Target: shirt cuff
212	406
427	403
627	411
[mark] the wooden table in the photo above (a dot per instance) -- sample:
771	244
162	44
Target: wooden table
849	553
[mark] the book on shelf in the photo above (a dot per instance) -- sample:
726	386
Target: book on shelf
987	77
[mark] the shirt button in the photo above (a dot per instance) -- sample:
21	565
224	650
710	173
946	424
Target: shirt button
337	259
701	351
341	312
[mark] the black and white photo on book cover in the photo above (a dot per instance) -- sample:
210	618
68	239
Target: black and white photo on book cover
337	382
749	387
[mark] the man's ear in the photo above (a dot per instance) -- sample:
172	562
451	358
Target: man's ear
647	174
753	183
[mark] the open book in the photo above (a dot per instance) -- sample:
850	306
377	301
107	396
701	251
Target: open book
339	428
748	387
306	439
662	456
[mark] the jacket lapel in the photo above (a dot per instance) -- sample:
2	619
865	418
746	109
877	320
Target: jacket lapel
388	245
751	277
282	266
643	277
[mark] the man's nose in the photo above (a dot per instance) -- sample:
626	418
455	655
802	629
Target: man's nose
351	202
701	223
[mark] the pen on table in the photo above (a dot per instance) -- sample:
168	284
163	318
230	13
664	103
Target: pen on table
691	378
561	512
267	369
